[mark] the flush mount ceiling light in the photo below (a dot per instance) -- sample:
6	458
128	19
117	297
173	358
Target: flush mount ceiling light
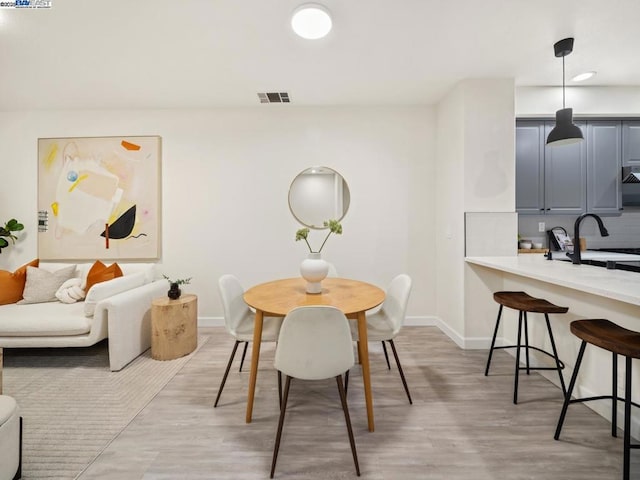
311	21
565	132
583	76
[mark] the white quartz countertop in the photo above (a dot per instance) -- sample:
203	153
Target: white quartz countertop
602	256
615	284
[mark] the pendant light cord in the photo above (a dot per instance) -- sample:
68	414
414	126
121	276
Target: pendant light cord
563	82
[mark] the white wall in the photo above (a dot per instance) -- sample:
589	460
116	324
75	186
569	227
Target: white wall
450	208
489	149
476	173
226	175
585	101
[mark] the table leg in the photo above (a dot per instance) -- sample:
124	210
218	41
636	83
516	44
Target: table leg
364	360
255	356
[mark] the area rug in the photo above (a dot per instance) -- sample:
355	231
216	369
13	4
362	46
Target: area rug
73	406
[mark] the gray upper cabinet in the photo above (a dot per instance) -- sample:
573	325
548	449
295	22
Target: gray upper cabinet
604	145
565	175
530	167
630	143
549	180
577	178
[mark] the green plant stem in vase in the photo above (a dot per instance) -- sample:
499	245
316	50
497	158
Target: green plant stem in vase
334	226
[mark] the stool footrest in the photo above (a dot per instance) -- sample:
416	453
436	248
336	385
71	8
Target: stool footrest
540	368
560	362
600	397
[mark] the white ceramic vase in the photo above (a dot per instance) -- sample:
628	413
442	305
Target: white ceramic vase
314	269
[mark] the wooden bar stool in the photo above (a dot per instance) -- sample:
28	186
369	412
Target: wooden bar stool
619	341
525	303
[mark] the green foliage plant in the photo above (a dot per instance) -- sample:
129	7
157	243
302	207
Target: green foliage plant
6	232
334	226
178	281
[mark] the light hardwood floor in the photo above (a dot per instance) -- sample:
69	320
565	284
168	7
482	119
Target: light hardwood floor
462	425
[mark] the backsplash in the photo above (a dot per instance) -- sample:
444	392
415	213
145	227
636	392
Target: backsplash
624	231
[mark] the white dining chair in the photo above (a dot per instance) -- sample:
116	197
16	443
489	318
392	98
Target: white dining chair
239	321
384	325
315	343
332	270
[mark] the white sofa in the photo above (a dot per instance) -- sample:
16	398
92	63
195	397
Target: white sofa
118	309
10	439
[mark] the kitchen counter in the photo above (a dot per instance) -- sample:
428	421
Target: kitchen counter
615	284
598	255
588	291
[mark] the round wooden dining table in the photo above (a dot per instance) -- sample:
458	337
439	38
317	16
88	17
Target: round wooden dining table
279	297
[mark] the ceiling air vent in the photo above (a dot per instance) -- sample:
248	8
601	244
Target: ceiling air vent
274	97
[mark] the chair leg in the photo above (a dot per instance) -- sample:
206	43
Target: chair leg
280	423
572	383
346	381
226	372
244	353
386	355
279	389
526	340
515	381
626	469
555	355
614	395
493	341
404	382
345	409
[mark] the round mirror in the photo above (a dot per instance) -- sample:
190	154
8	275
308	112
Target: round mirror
318	194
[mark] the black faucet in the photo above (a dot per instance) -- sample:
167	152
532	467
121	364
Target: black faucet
575	256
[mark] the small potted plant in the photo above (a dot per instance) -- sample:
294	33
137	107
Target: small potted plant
313	268
11	226
174	286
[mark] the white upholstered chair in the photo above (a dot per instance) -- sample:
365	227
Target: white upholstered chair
10	439
314	343
332	270
384	325
239	320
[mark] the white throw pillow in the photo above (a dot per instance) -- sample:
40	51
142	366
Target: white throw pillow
71	291
41	286
107	289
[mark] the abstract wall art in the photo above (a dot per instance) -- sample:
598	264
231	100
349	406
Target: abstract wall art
99	198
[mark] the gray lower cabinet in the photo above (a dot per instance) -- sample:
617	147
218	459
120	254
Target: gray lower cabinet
604	147
630	143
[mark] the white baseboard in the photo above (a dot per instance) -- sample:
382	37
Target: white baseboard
211	321
420	321
414	321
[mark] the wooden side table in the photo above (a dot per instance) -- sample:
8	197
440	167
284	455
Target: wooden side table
174	327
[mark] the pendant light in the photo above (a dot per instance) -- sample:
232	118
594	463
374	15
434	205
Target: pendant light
565	132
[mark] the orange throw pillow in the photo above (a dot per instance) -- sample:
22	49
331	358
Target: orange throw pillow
99	272
12	284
